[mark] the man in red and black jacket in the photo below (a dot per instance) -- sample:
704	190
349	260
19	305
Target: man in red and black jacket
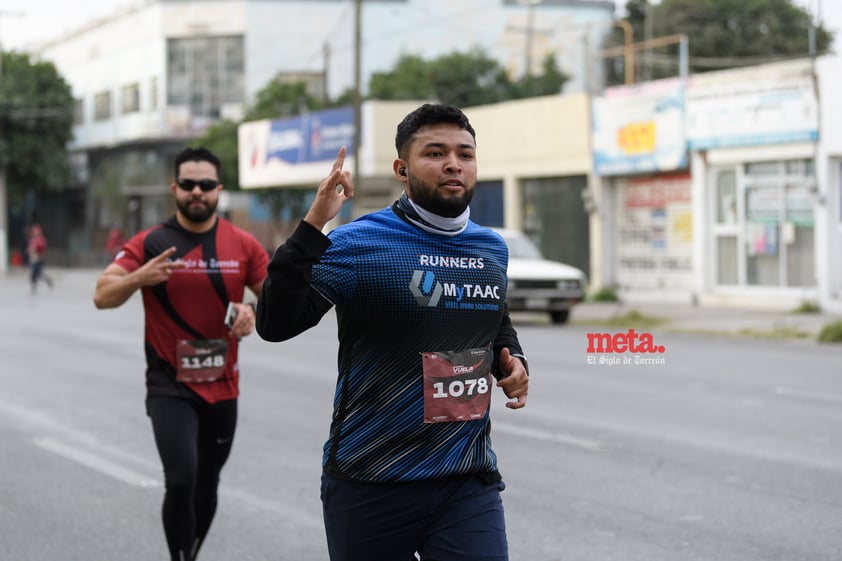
191	270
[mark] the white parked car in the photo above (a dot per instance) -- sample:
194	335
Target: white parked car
537	284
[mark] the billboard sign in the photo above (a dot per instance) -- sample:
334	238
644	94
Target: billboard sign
293	151
639	129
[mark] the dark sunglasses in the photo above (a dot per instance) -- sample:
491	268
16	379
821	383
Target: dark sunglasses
204	184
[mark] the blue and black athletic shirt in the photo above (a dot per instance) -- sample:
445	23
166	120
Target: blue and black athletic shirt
398	291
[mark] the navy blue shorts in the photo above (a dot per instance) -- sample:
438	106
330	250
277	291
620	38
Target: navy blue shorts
451	519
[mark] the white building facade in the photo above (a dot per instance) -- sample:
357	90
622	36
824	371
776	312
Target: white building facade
828	193
152	77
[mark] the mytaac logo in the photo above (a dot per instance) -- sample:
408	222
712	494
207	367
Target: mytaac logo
425	288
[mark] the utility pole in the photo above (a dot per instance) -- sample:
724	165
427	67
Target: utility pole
530	32
648	27
628	49
4	209
325	66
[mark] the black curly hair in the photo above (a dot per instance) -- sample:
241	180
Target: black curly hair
429	114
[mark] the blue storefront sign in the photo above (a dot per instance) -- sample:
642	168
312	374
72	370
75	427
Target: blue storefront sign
314	137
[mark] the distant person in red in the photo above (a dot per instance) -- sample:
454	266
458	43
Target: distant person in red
114	243
35	250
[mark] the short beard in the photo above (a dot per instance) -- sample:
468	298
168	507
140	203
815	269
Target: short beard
196	215
425	197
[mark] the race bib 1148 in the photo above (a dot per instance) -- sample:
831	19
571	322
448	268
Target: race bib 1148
201	360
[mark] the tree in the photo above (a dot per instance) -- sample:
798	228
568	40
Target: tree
549	82
722	34
221	139
36	120
463	79
280	99
409	79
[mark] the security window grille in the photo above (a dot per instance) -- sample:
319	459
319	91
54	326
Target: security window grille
131	98
78	111
153	93
205	73
102	106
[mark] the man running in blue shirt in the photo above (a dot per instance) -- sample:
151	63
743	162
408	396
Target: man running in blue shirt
420	297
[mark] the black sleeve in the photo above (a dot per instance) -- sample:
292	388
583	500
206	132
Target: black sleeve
288	305
507	338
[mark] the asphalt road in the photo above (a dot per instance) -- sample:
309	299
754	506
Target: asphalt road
730	450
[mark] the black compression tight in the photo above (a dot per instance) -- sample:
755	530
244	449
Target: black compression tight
194	439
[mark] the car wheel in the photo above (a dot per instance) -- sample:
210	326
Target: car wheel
560	316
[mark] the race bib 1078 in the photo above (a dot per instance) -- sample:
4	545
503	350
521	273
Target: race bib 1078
457	385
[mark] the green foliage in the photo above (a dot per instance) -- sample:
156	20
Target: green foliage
722	34
221	139
550	81
632	318
283	99
409	79
807	307
463	79
605	294
295	200
36	120
775	333
831	333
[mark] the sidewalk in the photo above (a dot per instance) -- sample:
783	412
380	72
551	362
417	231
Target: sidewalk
709	320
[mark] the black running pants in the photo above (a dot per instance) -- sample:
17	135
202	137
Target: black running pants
194	440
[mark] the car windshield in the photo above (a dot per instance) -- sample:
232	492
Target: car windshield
521	247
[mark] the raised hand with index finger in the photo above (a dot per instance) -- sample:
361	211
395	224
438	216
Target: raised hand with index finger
333	191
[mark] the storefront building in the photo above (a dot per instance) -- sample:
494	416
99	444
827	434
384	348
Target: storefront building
645	203
709	191
752	136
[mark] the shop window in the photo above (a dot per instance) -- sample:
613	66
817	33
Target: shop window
800	263
762	169
771	240
763	260
726	197
727	260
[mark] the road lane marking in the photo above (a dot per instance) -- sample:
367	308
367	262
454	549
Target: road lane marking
540	434
97	463
807	394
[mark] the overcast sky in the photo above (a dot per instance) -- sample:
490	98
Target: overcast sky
24	21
